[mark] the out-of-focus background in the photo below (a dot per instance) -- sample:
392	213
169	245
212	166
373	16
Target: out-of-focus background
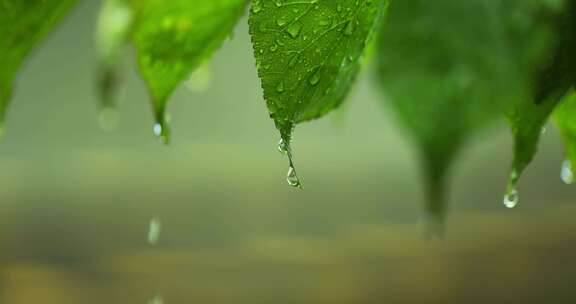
76	202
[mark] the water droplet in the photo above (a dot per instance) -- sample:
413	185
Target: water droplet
108	119
154	228
280	87
157	299
315	78
256	6
511	199
281	21
157	129
350	27
293	61
161	129
566	173
273	48
283	146
294	30
543	130
292	178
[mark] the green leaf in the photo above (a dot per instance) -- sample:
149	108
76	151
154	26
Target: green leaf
172	38
22	25
308	54
448	68
553	70
175	37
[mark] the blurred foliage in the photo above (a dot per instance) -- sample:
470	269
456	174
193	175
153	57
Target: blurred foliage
448	68
22	25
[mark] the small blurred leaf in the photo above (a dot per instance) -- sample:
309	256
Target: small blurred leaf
172	38
564	116
308	54
22	25
448	68
114	25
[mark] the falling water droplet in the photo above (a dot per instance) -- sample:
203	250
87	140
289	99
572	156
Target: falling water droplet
566	173
511	199
108	118
154	228
157	299
292	178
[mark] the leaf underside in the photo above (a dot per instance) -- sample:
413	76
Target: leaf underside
308	53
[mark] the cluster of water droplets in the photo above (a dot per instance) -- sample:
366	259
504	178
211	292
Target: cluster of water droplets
291	176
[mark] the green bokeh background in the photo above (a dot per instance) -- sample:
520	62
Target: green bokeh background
75	201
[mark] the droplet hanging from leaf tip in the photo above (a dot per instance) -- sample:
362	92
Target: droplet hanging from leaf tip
161	131
292	178
566	173
283	146
511	198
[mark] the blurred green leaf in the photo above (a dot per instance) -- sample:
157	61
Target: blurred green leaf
113	30
564	117
448	68
308	54
22	25
172	38
553	40
175	37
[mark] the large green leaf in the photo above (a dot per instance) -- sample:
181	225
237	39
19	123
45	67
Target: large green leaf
172	38
308	54
23	23
552	74
448	68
